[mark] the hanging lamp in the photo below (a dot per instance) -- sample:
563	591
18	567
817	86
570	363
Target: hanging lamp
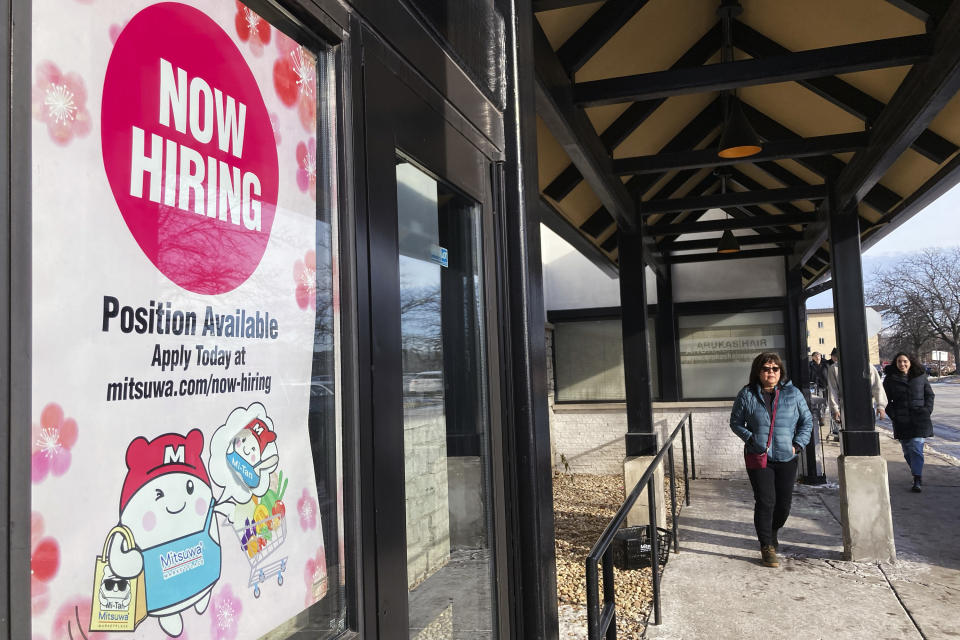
728	241
738	140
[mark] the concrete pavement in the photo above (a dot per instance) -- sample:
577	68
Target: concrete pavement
717	587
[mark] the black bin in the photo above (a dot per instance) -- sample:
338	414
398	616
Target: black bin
631	547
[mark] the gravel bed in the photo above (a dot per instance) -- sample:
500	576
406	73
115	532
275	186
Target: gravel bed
583	506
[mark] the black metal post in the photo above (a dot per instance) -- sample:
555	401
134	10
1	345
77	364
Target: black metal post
686	481
859	435
641	439
609	594
693	459
654	551
668	353
673	500
527	425
593	599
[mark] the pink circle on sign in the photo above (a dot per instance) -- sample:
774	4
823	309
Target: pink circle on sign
181	113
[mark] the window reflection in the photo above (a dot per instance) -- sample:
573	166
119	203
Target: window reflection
449	560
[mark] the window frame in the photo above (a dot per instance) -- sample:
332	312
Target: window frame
590	314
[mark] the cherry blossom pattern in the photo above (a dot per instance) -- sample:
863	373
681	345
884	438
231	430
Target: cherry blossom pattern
307	167
225	614
315	577
305	276
72	620
252	28
52	440
60	101
44	564
115	30
295	80
307	510
275	125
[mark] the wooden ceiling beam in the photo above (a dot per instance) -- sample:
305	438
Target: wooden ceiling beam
708	182
784	220
938	184
572	129
926	10
556	222
596	31
773	150
782	175
713	256
637	113
839	92
550	5
721	200
787	237
691	135
749	184
921	96
799	65
880	198
820	288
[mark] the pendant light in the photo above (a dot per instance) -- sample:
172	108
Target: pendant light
728	241
738	140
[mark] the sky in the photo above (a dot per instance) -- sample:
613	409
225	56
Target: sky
936	226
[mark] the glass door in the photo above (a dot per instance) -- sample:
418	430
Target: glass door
430	221
444	408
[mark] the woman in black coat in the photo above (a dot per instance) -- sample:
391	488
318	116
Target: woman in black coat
910	403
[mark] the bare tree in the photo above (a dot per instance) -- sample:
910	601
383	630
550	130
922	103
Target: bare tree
908	330
922	293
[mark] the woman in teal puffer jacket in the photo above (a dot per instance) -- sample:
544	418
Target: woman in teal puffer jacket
769	393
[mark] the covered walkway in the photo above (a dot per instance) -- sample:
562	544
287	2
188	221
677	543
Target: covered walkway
717	588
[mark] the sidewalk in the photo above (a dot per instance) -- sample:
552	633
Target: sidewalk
717	588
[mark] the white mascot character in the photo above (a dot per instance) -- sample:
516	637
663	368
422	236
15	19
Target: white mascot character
167	504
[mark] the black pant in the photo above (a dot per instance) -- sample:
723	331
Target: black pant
773	492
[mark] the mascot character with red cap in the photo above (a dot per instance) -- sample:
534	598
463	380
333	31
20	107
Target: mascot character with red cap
167	504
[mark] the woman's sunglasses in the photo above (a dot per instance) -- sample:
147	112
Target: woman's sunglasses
769	369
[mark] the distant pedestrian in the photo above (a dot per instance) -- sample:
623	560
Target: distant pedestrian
835	394
910	406
818	371
772	418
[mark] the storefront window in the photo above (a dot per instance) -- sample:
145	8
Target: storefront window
186	470
588	356
716	350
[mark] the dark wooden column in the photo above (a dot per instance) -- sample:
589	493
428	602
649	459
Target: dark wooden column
795	327
667	351
860	438
528	482
641	440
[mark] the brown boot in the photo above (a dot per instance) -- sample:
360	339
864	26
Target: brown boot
769	555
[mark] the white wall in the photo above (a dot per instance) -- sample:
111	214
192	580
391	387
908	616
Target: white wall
571	281
729	279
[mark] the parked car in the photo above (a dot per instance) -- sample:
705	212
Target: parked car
426	383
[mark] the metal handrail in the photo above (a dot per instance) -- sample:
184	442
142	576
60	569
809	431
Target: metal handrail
602	622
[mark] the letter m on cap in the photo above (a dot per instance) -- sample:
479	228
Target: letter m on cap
171	454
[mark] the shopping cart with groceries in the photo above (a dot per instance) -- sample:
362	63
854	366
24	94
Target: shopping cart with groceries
261	540
263	535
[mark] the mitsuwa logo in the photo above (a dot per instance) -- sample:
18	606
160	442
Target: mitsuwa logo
189	149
